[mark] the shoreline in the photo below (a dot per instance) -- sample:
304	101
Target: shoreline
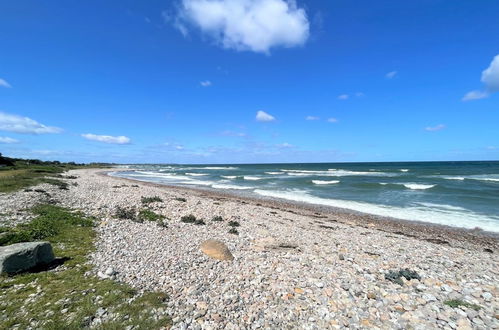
426	231
293	266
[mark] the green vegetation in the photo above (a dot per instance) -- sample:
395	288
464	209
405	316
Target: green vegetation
16	174
234	224
148	215
455	303
66	298
396	276
50	221
181	199
217	218
188	218
233	231
125	213
149	200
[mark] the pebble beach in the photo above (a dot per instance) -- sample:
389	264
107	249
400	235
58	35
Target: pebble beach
295	266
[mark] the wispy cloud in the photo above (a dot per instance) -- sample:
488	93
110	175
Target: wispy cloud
435	128
8	140
490	78
475	95
4	83
332	120
391	74
343	97
312	118
285	145
263	116
206	83
107	138
233	133
24	125
245	25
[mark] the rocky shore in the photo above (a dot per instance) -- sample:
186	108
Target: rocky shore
294	266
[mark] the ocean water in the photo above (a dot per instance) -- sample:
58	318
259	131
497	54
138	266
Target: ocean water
461	194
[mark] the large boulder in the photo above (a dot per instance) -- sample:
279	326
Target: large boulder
20	257
217	250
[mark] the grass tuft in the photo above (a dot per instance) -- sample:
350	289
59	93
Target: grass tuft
455	303
234	224
217	218
188	218
148	215
149	200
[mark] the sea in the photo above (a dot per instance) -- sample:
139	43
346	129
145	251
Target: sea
460	194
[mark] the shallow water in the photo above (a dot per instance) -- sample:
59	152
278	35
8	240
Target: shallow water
462	194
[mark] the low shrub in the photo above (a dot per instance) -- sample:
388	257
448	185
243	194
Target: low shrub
234	224
148	215
188	218
217	218
125	213
199	222
181	199
149	200
233	231
396	276
455	303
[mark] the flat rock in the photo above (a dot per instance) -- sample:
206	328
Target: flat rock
20	257
217	250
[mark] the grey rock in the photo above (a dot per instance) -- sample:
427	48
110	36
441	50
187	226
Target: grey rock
21	257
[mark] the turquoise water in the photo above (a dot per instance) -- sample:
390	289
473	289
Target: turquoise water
462	194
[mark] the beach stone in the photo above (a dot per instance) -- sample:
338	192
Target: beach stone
217	250
20	257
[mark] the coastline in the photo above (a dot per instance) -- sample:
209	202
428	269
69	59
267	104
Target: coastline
426	231
294	266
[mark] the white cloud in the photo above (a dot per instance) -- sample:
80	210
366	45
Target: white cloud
206	83
435	128
233	133
263	116
391	74
332	120
4	83
311	118
24	125
343	97
490	78
8	140
475	95
285	145
246	25
107	138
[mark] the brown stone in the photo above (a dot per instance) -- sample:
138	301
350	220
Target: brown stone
217	250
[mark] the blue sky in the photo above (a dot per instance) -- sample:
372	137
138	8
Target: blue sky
183	81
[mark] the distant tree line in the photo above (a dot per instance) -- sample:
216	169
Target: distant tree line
7	161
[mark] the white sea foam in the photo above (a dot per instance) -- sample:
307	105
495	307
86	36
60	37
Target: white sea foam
197	182
417	186
325	182
196	174
252	178
479	177
230	186
457	218
404	170
219	168
228	176
274	173
443	206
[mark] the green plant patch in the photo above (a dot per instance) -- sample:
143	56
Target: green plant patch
125	213
233	231
181	199
234	224
217	218
455	303
148	215
396	276
66	298
188	218
149	200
